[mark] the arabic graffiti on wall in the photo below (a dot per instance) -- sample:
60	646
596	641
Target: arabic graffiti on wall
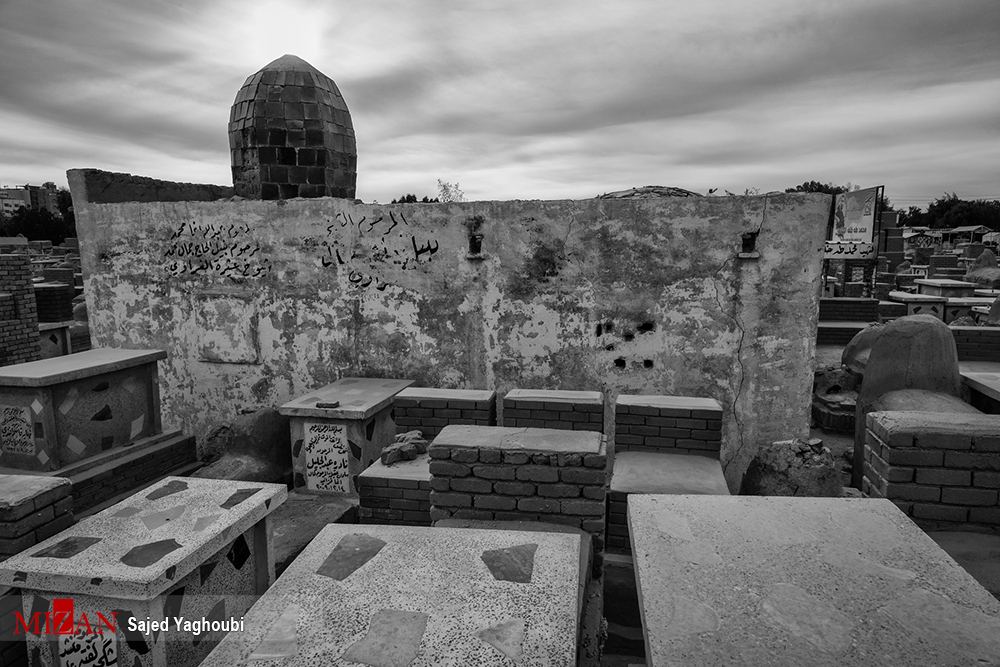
327	464
87	649
16	436
387	240
834	250
226	250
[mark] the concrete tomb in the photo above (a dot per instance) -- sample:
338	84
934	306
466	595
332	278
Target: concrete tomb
399	596
802	581
339	430
197	549
59	411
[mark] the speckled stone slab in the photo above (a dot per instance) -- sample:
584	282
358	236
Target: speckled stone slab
527	439
453	394
426	598
358	398
144	544
681	402
802	581
75	366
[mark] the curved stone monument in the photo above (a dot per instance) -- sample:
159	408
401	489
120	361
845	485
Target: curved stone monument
291	135
913	365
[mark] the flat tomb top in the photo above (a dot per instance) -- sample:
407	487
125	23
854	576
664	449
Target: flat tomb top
141	546
418	469
905	297
395	595
944	282
663	472
987	292
555	396
984	383
528	439
454	394
801	581
75	366
358	398
969	301
681	402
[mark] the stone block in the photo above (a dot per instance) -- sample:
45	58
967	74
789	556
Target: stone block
536	473
962	496
471	485
514	488
439	499
942	477
558	490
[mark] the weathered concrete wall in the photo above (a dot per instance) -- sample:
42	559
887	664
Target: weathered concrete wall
257	302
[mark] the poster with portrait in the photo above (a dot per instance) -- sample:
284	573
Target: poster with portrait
854	216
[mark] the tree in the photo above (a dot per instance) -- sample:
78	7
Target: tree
64	202
412	199
825	188
37	225
448	192
948	212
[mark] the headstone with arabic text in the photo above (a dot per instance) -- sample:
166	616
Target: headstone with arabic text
327	463
16	435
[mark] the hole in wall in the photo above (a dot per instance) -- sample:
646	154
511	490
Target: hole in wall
39	430
628	336
610	348
101	386
102	415
646	327
370	430
609	326
834	389
600	330
647	363
619	362
107	442
750	242
54	339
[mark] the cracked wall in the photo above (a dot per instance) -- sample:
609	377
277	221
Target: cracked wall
257	302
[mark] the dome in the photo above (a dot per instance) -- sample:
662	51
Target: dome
291	135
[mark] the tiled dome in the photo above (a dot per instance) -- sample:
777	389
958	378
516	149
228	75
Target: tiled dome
290	135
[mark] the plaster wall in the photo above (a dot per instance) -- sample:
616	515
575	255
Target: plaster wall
257	302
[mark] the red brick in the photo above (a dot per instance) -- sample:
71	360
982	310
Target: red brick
514	488
449	469
478	515
450	499
958	441
538	474
594	492
538	504
913	492
582	507
471	485
955	496
583	476
558	490
980	461
990	515
495	502
913	457
940	512
494	471
461	455
987	480
943	476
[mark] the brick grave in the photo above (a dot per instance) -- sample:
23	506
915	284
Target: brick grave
521	474
398	494
663	445
430	410
942	470
548	408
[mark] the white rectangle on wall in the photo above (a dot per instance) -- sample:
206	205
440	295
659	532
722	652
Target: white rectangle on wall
327	458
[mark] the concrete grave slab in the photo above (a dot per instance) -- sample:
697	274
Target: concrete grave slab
358	398
795	581
678	402
663	472
527	439
425	598
555	396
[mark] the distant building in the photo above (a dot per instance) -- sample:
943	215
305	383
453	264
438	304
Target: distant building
12	199
38	197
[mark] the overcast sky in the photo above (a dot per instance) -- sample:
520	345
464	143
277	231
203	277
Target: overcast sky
524	99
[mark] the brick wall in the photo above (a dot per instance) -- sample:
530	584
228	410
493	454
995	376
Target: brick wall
566	410
890	310
474	477
31	520
942	470
943	262
93	487
430	410
398	494
678	424
105	187
977	343
846	309
55	301
19	323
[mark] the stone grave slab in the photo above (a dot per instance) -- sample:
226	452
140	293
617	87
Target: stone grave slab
337	431
197	548
419	597
802	581
921	304
513	438
946	287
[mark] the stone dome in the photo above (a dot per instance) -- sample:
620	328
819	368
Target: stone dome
291	135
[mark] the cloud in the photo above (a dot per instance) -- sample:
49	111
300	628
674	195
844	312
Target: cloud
521	99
